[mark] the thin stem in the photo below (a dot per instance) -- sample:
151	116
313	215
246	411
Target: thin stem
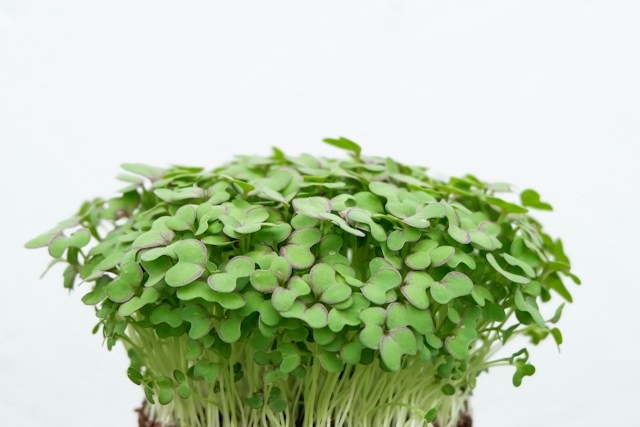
358	396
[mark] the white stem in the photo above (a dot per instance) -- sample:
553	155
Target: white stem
362	395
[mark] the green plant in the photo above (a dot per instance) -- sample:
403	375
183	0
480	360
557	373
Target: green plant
289	291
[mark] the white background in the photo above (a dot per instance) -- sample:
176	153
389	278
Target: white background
543	94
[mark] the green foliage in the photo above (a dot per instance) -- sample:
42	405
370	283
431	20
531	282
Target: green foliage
311	267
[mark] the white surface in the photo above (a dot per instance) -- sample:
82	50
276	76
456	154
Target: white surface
539	93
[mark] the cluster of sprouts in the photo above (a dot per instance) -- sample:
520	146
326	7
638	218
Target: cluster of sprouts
304	291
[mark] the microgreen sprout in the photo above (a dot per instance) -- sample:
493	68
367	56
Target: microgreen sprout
308	291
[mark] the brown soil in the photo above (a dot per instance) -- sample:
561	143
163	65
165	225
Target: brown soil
144	421
464	421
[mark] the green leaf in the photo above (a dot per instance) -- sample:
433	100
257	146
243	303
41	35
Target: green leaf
336	294
135	376
199	289
165	396
397	238
516	278
222	282
351	353
151	172
306	236
448	390
341	317
458	234
431	415
299	256
418	260
283	299
312	207
522	371
124	287
194	350
278	405
98	293
43	239
415	289
316	316
290	357
166	314
511	260
345	144
183	273
273	234
398	342
330	361
458	344
240	266
159	235
390	353
149	296
529	305
453	285
440	293
255	401
531	198
554	282
381	282
441	255
505	206
192	256
200	320
184	391
557	336
206	370
156	270
59	244
557	314
180	194
229	330
335	219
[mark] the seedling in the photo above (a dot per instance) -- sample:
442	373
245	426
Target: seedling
288	291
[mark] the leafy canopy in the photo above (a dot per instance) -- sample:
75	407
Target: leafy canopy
347	261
